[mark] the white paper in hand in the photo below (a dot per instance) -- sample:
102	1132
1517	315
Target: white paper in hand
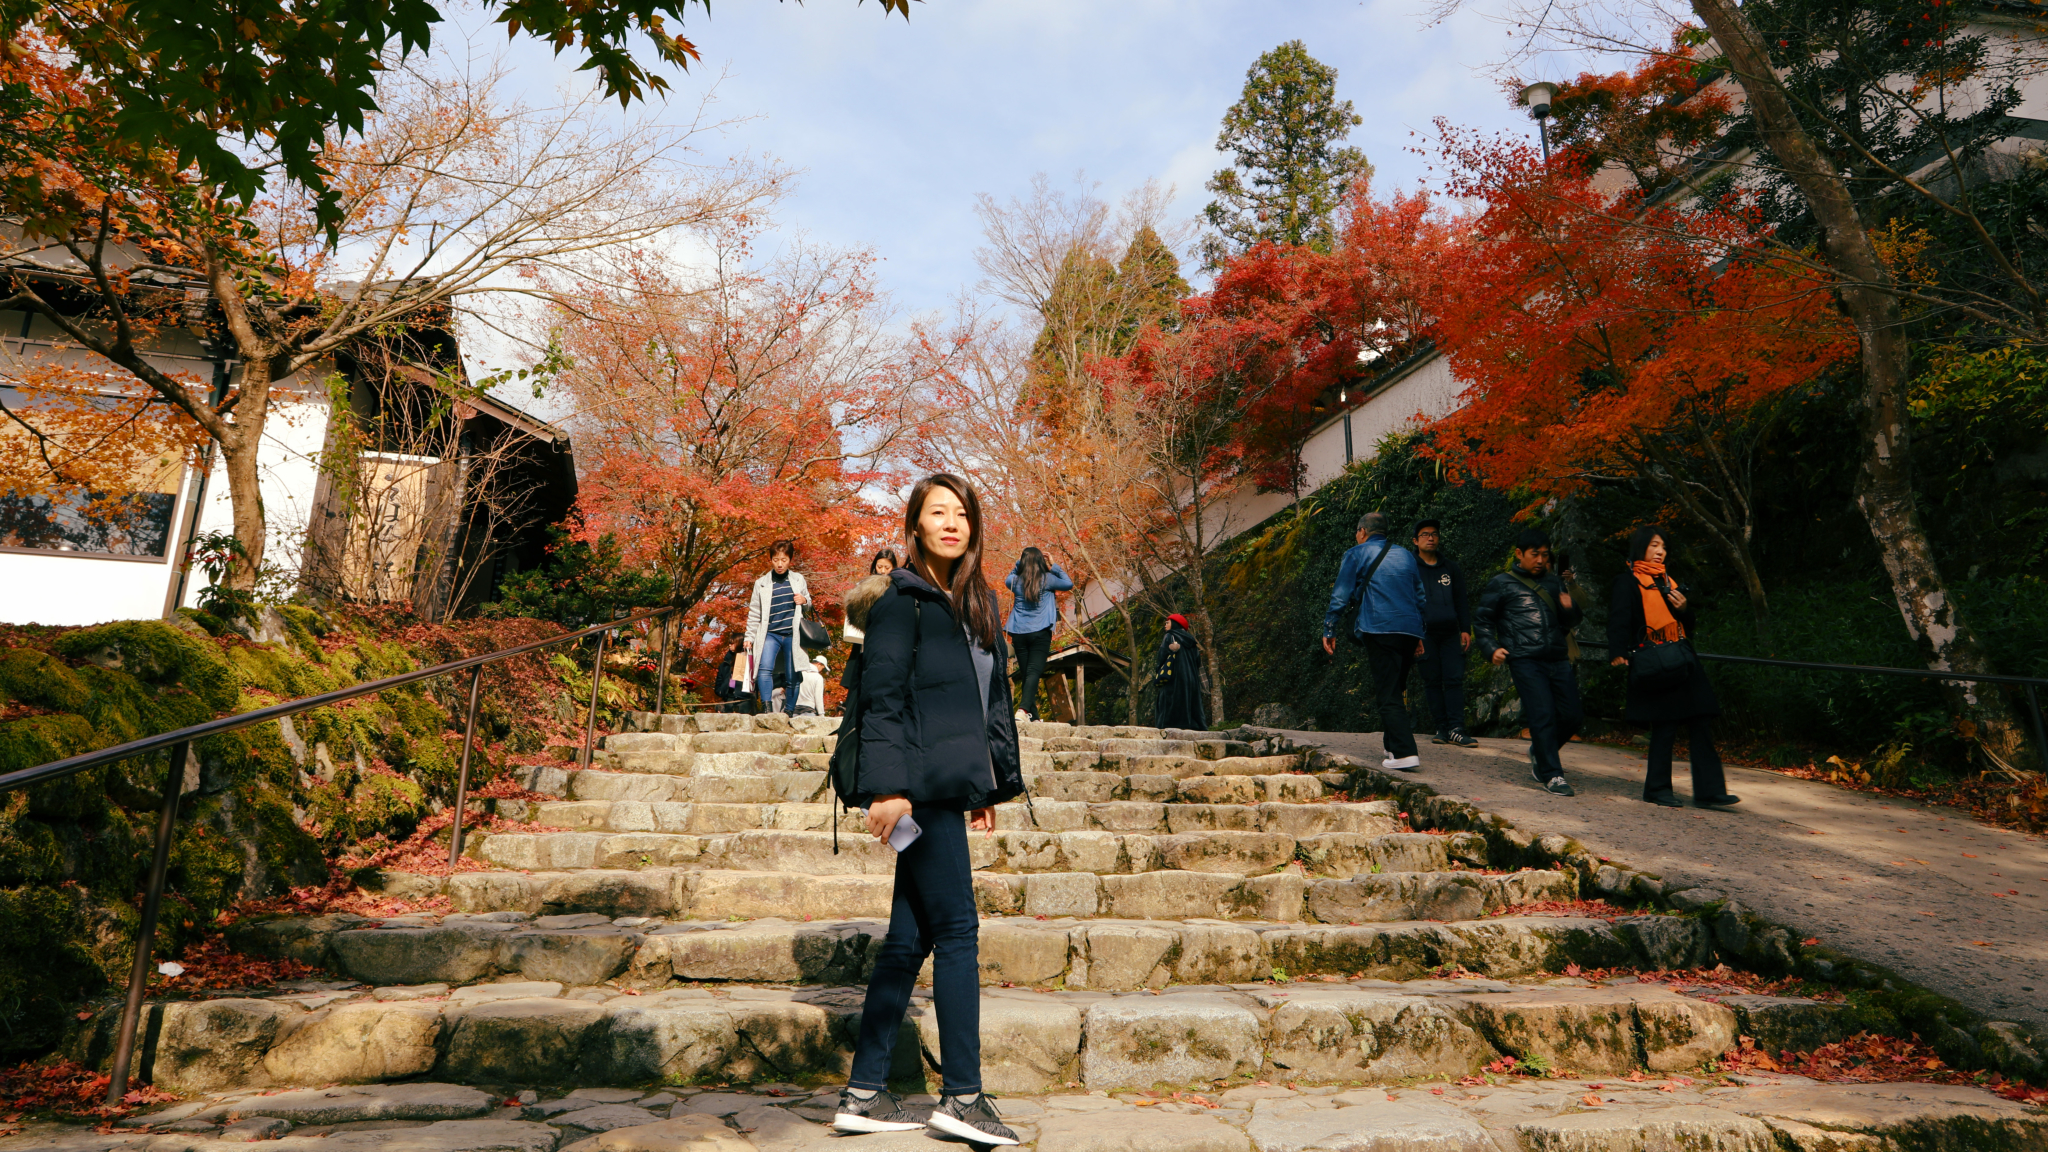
905	833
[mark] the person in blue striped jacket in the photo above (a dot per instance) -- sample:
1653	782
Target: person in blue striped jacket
779	596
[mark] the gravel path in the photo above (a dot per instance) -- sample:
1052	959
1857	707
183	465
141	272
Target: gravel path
1950	903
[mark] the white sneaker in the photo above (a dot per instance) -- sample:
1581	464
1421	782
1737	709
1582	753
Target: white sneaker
1403	764
1023	716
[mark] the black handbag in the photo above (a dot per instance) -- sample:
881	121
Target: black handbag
1662	665
811	635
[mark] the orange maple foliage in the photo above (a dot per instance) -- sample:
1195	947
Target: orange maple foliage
716	418
1605	341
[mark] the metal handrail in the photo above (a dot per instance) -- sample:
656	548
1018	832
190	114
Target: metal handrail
179	742
2033	684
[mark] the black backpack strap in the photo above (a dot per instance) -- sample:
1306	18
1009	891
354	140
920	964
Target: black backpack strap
1365	584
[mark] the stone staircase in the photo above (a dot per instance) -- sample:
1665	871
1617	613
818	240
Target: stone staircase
1175	910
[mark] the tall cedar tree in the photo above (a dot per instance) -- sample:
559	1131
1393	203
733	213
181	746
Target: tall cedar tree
1096	309
1289	170
1791	126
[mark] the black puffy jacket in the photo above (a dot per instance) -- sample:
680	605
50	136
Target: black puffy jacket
925	732
1512	616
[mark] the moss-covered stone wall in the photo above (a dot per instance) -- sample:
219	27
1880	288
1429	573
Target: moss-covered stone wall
265	809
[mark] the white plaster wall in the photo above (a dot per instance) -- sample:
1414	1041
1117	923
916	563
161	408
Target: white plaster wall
1426	392
289	461
76	588
73	588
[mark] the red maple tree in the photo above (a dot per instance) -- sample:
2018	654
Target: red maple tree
1605	340
718	417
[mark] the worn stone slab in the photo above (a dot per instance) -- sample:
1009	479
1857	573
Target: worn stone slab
1302	1124
1030	1044
1915	1112
604	1117
370	1102
1348	1035
667	1038
1692	1127
358	1043
1603	1030
1139	1041
448	953
1143	1130
698	1133
211	1045
524	1041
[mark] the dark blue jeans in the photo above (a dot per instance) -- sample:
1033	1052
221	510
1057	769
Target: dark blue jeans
778	666
933	915
1550	707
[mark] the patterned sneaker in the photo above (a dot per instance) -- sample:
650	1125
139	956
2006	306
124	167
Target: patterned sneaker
1462	740
881	1112
1443	736
1557	786
976	1122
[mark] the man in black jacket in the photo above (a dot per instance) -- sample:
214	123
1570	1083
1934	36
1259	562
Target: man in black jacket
1524	620
1447	624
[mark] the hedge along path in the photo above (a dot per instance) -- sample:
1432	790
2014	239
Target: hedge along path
1892	893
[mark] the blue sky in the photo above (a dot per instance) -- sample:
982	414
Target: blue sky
895	126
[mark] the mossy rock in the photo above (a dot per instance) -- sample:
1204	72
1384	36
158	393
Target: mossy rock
45	968
34	677
158	654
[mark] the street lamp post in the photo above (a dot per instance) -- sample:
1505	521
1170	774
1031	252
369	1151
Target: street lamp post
1538	97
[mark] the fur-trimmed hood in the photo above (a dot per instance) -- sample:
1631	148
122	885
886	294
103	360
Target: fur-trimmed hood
862	599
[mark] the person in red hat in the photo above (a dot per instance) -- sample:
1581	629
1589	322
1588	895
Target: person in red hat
1177	686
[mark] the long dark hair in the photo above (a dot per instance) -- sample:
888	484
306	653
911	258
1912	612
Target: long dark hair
974	603
1639	541
888	552
1031	568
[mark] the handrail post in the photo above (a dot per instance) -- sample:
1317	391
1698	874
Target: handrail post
661	677
590	716
145	933
476	683
2034	707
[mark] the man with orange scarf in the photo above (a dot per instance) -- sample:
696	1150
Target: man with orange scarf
1649	610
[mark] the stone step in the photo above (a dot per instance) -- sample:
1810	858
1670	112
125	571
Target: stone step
1033	1041
1017	851
1510	1112
797	787
1045	941
715	894
766	755
1044	815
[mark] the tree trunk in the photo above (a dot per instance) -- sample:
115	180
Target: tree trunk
1884	484
245	500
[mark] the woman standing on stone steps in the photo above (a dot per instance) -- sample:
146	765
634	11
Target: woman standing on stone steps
937	743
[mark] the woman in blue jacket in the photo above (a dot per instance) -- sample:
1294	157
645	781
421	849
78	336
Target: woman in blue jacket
1033	582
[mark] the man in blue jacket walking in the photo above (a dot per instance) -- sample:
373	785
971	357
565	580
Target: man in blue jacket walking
1387	585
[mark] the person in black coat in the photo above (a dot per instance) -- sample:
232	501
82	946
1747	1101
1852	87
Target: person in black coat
937	742
1648	608
1177	699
